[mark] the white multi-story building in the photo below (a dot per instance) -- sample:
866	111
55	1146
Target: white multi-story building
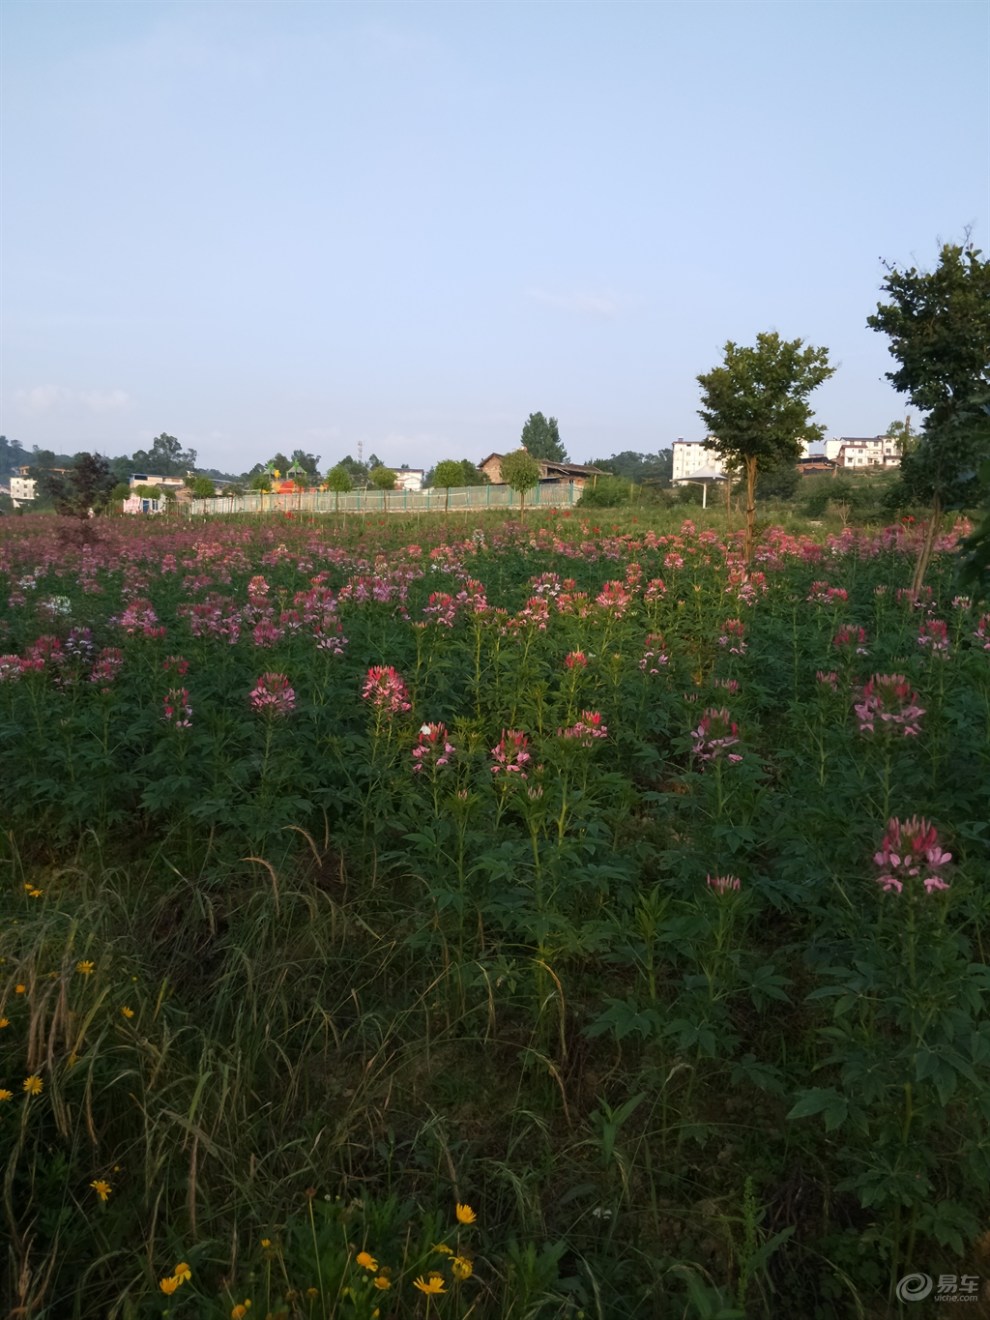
858	454
695	460
22	490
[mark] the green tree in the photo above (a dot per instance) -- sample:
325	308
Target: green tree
340	481
202	488
448	472
938	322
541	437
383	477
165	458
756	407
310	463
87	485
521	472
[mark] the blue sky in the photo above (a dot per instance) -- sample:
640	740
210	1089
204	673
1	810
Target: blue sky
263	226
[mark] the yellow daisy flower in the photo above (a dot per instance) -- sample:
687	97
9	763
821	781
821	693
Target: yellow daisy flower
461	1268
102	1188
33	1085
169	1285
127	1011
182	1272
431	1286
465	1215
85	967
6	1095
366	1260
382	1284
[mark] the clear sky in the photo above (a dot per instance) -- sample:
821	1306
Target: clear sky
269	226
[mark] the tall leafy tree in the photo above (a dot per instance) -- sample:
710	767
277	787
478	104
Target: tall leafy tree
938	322
541	437
87	485
165	458
340	481
520	472
383	477
756	406
448	472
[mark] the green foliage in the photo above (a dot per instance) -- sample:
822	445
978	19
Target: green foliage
382	477
202	488
605	493
656	469
756	407
86	486
938	323
165	458
541	437
520	472
339	480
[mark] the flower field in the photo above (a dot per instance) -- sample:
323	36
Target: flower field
510	921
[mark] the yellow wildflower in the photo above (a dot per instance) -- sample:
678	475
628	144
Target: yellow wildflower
382	1284
6	1095
442	1249
266	1243
182	1272
127	1011
35	893
102	1188
431	1286
461	1267
19	989
4	1022
169	1285
241	1309
85	967
33	1085
366	1260
465	1215
312	1292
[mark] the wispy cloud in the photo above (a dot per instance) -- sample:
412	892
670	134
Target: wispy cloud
104	401
43	398
606	306
40	399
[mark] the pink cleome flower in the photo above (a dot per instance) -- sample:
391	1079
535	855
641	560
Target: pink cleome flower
910	851
716	733
888	703
934	633
723	884
272	696
178	711
586	729
850	639
385	690
432	749
512	754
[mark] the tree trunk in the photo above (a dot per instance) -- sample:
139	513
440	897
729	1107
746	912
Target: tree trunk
927	545
750	508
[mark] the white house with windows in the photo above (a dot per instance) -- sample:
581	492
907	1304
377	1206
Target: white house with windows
22	490
861	454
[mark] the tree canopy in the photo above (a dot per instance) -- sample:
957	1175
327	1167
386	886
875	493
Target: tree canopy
165	458
756	408
541	437
521	472
939	327
938	323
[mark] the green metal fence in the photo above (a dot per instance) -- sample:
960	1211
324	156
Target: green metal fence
548	494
